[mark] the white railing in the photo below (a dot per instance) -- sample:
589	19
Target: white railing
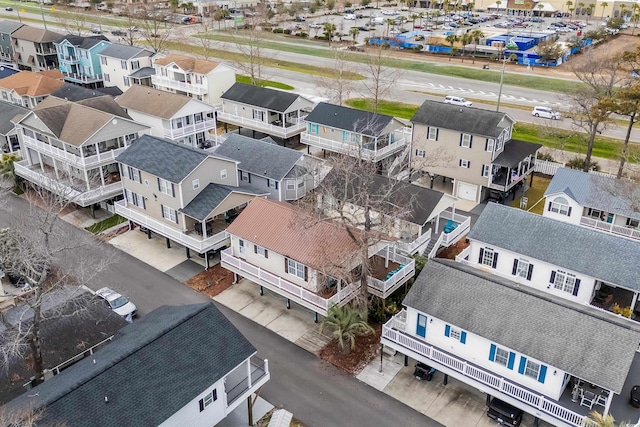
547	168
83	77
434	250
182	86
385	287
537	401
457	218
415	246
462	256
351	149
73	159
296	120
278	130
463	228
199	245
56	369
286	288
190	129
632	233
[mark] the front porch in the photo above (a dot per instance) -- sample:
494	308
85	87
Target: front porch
606	297
389	271
513	165
445	229
282	125
373	149
610	227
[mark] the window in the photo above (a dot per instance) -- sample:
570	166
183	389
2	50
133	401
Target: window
488	257
522	268
560	205
4	95
196	184
566	282
134	199
103	60
489	145
313	128
241	246
465	140
106	77
126	81
165	187
465	163
208	399
197	117
486	170
258	115
432	134
135	65
291	185
419	153
133	174
295	268
223	174
501	356
245	176
455	334
123	64
260	251
169	213
532	369
634	223
272	183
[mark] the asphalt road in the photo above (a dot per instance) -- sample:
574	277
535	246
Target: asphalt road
316	392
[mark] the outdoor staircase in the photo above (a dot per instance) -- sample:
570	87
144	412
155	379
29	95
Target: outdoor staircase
396	166
430	246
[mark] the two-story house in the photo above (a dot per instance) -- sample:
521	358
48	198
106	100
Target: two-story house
198	365
470	148
78	59
203	80
368	136
34	49
27	88
70	148
176	117
272	112
602	203
6	48
565	260
284	173
311	261
121	65
9	141
550	357
181	193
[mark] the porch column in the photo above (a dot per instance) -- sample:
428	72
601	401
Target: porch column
249	372
204	229
607	405
97	150
42	165
86	178
453	211
634	300
386	261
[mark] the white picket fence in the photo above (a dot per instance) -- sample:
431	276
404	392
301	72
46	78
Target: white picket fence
546	167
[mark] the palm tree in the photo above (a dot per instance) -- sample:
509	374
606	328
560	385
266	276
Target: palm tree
623	9
7	170
590	11
476	35
498	3
465	39
328	30
604	5
390	22
353	32
452	39
347	323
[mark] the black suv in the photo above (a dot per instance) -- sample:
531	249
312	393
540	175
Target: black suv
503	413
119	33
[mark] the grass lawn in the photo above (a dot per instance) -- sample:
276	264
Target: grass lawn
535	194
106	224
390	108
264	83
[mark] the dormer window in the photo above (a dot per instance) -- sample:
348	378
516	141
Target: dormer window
560	205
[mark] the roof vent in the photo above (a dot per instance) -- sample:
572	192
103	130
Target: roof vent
461	110
106	399
94	361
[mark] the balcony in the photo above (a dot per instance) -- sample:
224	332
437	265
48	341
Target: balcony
389	271
291	127
195	242
415	245
46	51
502	182
99	159
367	152
166	82
69	59
203	126
619	230
245	380
394	335
74	194
285	288
81	78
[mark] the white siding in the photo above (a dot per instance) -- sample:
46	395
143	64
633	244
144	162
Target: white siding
191	416
218	81
156	124
576	210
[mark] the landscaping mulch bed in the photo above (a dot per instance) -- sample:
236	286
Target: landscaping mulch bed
366	349
453	250
211	282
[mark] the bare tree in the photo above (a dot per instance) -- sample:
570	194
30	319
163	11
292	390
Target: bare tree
204	39
73	22
252	47
153	32
337	87
381	78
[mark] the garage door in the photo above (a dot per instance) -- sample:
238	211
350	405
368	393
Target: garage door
467	191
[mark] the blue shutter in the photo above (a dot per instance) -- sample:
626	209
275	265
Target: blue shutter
512	360
344	135
447	331
492	352
523	364
542	374
463	337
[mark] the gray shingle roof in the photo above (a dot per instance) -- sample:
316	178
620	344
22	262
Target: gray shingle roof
462	119
210	197
600	255
8	112
593	191
121	51
84	42
514	151
151	369
271	99
143	72
258	157
162	158
578	339
75	93
349	119
8	27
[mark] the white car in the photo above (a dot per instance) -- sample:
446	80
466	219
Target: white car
389	12
546	113
350	17
315	25
118	303
456	100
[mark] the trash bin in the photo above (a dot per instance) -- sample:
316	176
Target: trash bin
634	400
423	372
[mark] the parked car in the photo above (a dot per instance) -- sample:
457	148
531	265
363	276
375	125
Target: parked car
503	413
364	28
300	19
96	30
546	113
117	302
359	16
456	100
377	20
119	33
8	9
350	17
389	12
315	25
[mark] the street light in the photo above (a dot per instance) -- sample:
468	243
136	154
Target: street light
504	62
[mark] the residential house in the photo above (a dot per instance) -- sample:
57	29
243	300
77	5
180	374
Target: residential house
176	117
517	344
9	142
181	193
312	262
34	49
284	173
272	112
369	136
70	148
470	148
602	203
78	59
199	366
76	93
121	65
6	48
27	88
185	75
564	260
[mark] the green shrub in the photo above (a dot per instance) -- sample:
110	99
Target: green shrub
578	163
546	157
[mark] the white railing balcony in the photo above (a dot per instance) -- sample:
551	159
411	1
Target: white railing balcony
419	244
395	336
406	271
99	159
504	183
163	81
191	129
297	293
83	78
196	242
463	256
631	233
462	228
285	130
353	150
245	380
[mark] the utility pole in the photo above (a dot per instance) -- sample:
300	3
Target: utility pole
504	62
42	13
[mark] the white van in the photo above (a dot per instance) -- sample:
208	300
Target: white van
456	100
377	20
546	113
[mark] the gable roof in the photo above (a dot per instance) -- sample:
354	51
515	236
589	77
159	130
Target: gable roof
75	93
31	84
259	157
592	191
162	158
539	325
7	113
8	27
187	63
154	102
83	42
600	255
210	198
349	119
143	72
514	152
122	51
271	99
35	34
294	233
176	352
462	119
